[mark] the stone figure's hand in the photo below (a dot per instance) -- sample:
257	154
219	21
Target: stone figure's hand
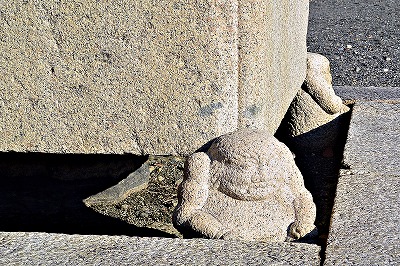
193	191
305	213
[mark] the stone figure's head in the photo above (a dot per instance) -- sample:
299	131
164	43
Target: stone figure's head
246	164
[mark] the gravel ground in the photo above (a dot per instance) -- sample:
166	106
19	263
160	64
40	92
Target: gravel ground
361	38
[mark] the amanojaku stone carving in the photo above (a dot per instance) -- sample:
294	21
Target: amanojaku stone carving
247	187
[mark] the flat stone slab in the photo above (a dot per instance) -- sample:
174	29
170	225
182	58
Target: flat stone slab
365	221
134	182
60	249
374	137
380	94
366	213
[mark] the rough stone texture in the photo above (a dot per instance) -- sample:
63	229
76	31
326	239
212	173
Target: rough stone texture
365	220
367	205
318	84
117	76
58	249
379	94
247	186
374	137
315	116
145	77
272	59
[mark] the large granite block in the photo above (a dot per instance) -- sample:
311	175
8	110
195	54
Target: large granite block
116	76
272	59
58	249
144	77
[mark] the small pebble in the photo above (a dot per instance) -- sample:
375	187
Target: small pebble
358	69
387	58
385	70
349	46
160	178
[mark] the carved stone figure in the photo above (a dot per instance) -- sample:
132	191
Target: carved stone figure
314	117
247	187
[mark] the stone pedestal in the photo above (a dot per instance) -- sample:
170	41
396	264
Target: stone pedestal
145	77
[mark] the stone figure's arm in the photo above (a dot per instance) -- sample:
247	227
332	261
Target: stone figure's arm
305	213
304	207
193	195
318	84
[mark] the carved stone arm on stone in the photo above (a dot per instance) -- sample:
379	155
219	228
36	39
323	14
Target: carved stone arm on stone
314	117
193	194
305	213
304	207
318	84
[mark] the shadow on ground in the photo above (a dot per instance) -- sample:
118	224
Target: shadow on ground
320	168
44	193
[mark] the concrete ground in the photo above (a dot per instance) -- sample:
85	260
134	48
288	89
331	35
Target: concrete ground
366	212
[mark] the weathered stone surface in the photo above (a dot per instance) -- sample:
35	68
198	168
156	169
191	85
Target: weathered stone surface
365	220
315	116
58	249
145	77
272	59
367	205
374	137
379	94
117	76
318	84
246	187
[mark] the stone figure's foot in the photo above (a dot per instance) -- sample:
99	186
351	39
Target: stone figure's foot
298	230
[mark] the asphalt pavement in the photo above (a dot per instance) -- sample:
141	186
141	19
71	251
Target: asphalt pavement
360	38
